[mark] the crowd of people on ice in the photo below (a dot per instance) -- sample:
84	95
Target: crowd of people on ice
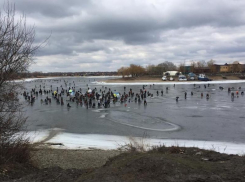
92	98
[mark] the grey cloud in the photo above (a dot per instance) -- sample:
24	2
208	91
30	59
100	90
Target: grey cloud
140	32
229	49
51	8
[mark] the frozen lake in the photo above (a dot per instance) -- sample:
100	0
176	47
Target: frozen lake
217	119
217	123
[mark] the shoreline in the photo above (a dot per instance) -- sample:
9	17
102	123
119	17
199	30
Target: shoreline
58	77
70	141
160	164
45	157
148	79
150	82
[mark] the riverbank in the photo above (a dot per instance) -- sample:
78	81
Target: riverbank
56	165
159	164
144	79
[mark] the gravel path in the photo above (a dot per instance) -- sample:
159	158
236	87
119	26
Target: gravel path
68	159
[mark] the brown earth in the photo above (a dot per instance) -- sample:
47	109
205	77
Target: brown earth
173	164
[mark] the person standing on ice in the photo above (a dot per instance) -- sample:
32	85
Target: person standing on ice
177	99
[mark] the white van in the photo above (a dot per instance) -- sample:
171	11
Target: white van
171	73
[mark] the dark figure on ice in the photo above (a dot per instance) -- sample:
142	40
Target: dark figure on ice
177	99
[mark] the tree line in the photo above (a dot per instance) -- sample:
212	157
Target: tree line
195	67
137	70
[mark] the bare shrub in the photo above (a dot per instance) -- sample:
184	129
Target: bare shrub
13	147
135	145
158	148
16	51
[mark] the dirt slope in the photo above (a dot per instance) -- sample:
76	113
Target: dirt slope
173	165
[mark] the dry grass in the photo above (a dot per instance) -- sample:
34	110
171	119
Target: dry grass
141	145
15	151
134	145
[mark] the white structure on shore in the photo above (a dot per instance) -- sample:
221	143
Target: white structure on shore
172	73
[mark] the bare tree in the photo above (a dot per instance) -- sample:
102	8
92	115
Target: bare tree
182	67
16	44
236	67
211	66
201	64
121	71
193	66
150	69
136	70
16	52
168	66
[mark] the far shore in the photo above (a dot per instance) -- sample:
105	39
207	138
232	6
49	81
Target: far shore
145	79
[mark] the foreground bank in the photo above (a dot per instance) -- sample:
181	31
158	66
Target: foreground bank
159	164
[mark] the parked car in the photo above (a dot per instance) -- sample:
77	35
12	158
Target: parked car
202	77
164	78
182	78
191	78
171	79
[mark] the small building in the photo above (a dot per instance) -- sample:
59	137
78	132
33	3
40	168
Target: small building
215	68
225	68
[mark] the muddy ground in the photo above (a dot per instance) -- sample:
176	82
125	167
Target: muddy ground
171	164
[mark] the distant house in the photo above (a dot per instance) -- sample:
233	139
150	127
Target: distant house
225	68
236	67
215	68
243	68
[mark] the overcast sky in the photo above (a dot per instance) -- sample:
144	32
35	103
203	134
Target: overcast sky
103	35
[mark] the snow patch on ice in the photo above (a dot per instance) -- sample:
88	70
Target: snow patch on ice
171	83
106	142
102	77
103	115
